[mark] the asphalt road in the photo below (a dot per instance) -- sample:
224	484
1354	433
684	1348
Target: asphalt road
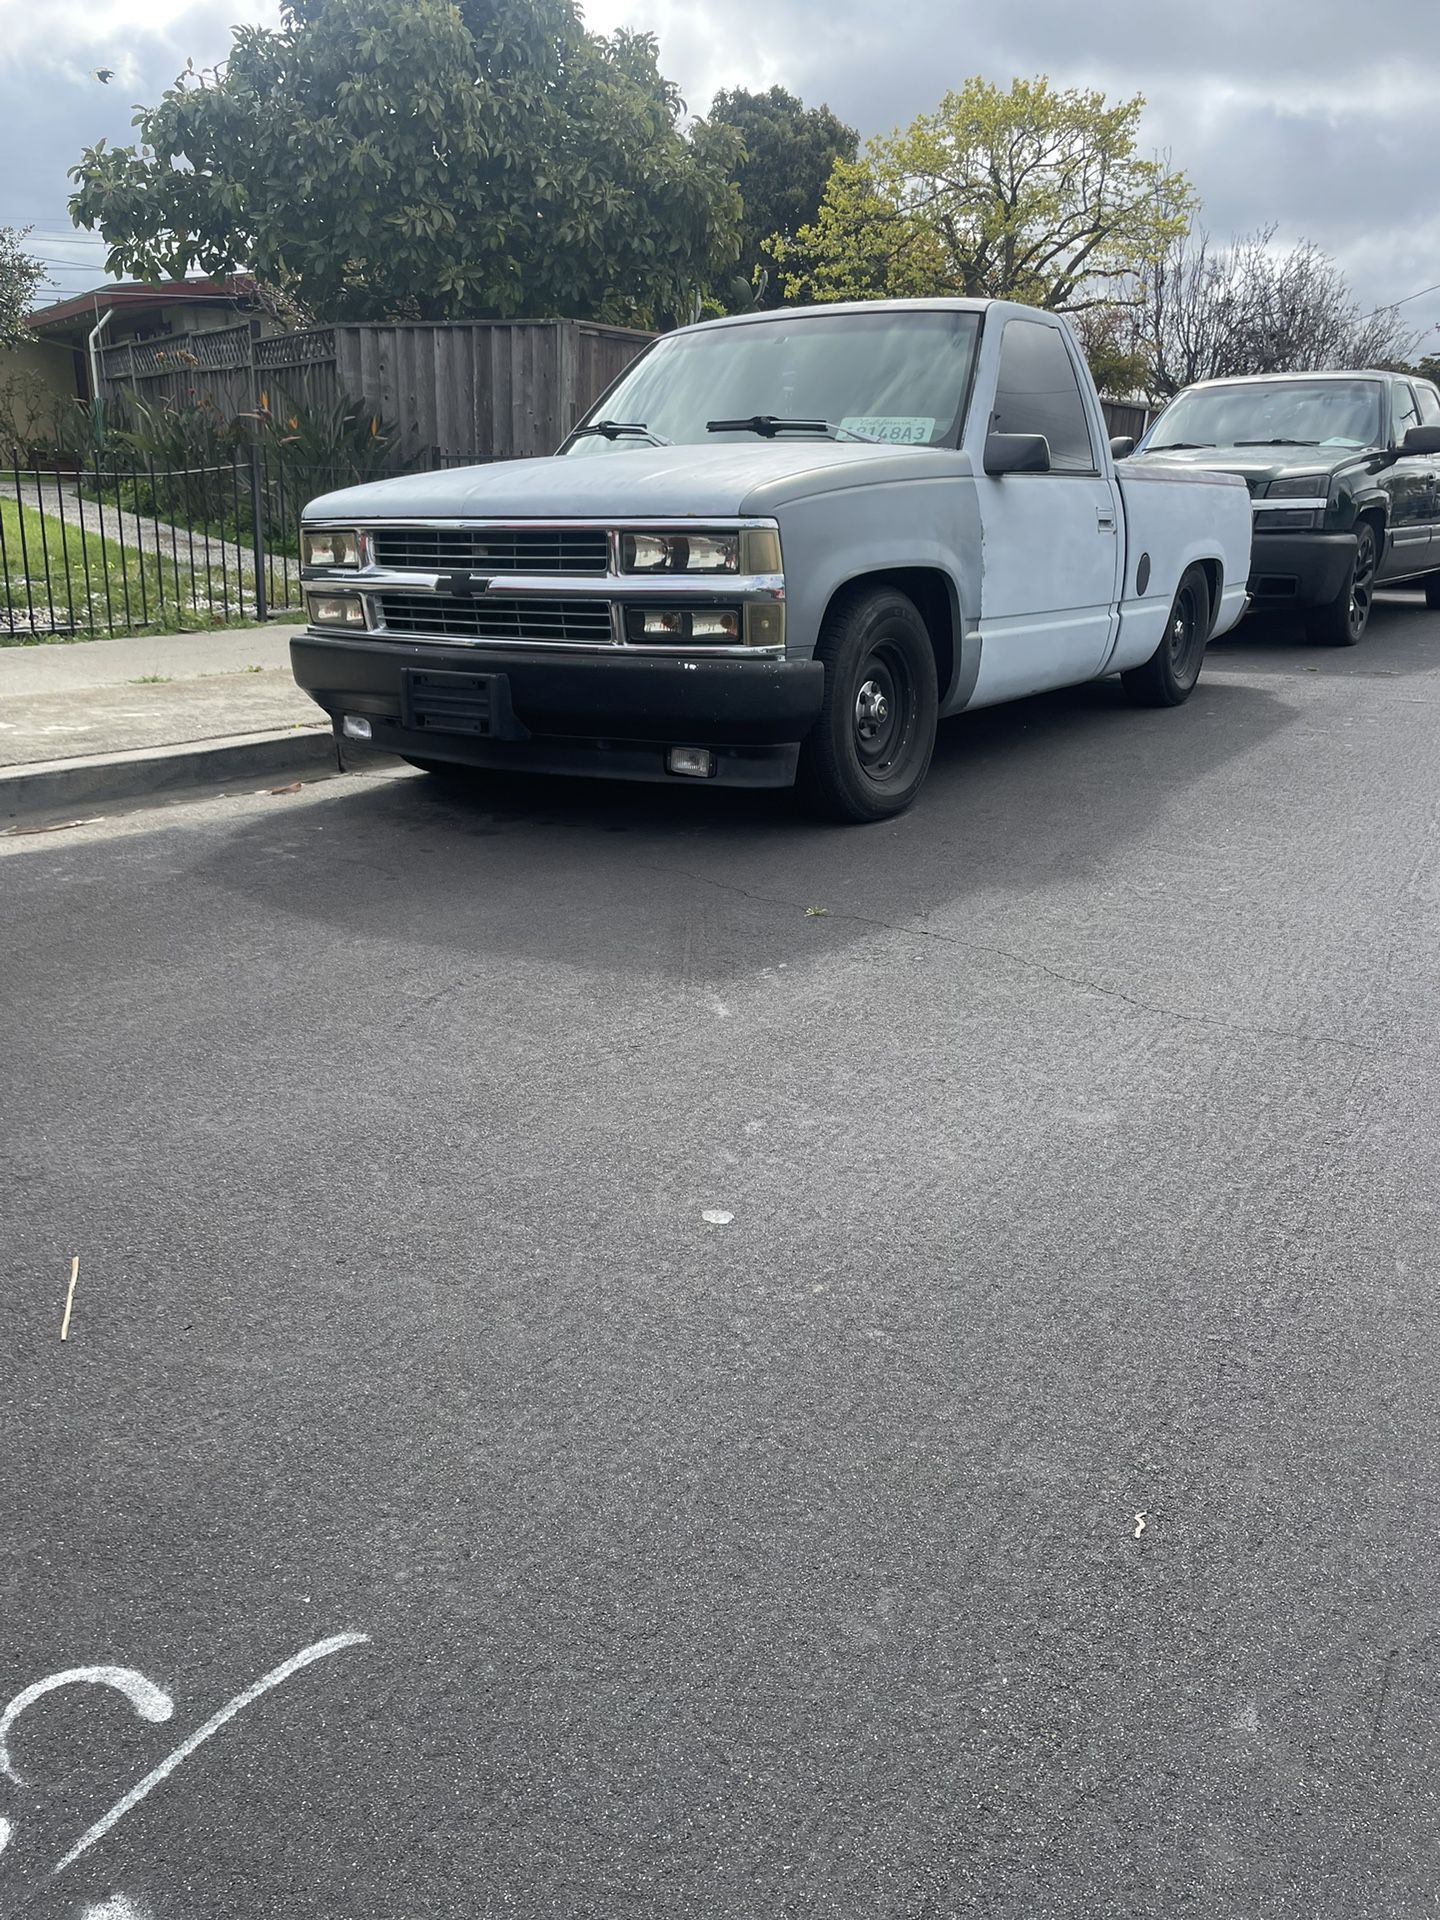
1079	1161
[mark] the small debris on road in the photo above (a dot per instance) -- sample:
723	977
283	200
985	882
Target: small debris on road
816	913
294	787
70	1297
59	826
717	1216
1139	1525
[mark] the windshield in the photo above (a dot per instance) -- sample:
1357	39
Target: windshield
1312	413
893	377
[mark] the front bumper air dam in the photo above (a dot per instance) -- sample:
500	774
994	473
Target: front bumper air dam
1303	569
604	715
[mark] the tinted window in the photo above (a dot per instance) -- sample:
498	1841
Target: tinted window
1404	411
1309	413
1038	393
1429	406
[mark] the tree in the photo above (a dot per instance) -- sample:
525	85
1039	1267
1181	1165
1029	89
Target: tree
20	275
1033	194
789	151
1202	313
427	159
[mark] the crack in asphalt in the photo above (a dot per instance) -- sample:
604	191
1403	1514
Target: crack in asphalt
1024	960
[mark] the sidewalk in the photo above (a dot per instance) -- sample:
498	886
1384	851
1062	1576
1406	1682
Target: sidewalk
103	720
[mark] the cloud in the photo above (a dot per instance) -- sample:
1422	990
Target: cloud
1291	111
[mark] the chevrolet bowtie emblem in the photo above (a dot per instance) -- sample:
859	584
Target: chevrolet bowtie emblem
465	586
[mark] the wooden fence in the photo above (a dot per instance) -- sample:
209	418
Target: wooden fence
492	389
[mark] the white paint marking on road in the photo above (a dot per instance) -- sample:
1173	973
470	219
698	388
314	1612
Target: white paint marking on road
307	1656
1139	1525
718	1007
5	1832
717	1216
148	1700
118	1907
70	1297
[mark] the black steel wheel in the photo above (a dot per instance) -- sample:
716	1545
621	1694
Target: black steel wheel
868	752
1341	622
1168	677
1432	591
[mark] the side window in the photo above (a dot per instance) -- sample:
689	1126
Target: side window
1429	406
1404	413
1037	392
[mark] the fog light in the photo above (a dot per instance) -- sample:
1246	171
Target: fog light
698	762
355	727
336	610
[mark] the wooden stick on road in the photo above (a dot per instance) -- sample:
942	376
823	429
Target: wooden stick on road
70	1297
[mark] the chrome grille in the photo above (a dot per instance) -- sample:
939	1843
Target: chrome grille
561	622
492	549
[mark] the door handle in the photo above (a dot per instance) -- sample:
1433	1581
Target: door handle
1105	523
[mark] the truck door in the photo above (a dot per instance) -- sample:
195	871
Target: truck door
1410	483
1053	542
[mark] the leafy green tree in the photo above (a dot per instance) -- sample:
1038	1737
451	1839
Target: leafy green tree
427	159
20	275
790	150
1032	193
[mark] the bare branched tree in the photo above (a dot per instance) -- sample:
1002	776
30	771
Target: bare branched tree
1204	313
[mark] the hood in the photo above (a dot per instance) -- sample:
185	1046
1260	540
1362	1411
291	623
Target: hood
1256	466
639	482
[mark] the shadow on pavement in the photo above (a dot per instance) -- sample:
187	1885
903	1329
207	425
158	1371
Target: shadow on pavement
689	882
1403	638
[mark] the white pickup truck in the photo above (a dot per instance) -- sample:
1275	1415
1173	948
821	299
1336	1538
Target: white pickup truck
782	546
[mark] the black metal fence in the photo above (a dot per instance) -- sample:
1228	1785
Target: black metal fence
112	547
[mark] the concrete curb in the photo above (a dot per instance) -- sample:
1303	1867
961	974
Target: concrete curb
51	785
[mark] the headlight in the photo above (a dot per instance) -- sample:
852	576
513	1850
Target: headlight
1304	486
327	548
335	609
750	550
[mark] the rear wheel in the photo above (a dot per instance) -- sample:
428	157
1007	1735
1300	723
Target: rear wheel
1168	677
866	755
1341	622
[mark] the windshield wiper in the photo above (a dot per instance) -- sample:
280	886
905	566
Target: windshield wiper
1178	446
768	425
624	430
1279	441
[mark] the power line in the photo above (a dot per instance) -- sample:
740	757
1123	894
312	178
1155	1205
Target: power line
1388	304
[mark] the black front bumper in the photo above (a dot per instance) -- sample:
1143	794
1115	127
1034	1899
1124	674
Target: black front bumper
607	714
1299	569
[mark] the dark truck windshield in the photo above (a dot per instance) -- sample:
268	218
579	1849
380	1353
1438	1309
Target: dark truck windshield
1309	413
894	377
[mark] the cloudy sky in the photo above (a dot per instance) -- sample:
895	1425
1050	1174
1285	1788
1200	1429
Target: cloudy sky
1314	114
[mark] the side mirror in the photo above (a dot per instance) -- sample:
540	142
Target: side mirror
1122	445
1421	440
1017	453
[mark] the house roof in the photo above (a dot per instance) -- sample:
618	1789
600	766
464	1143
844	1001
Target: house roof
132	294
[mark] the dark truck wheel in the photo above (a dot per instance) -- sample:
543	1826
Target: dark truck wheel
1432	591
869	750
1341	622
1168	677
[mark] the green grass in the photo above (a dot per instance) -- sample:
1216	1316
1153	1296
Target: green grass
97	587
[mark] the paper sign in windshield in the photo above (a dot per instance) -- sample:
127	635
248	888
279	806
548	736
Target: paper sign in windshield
891	427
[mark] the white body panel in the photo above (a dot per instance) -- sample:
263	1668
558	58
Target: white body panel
1177	528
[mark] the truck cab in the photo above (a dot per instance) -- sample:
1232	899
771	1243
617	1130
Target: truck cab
782	547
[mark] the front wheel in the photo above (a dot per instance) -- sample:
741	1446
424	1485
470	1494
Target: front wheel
1168	677
1341	622
866	755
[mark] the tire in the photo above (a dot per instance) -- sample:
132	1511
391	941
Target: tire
1341	622
869	750
1432	592
1168	677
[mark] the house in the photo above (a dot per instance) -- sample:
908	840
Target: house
42	380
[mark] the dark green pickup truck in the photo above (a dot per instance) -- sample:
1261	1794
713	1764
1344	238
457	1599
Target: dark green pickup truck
1344	478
